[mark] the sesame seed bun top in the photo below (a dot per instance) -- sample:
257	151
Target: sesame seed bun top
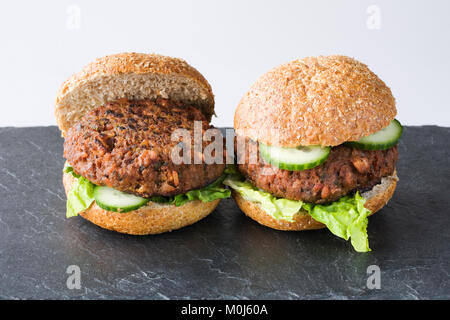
324	100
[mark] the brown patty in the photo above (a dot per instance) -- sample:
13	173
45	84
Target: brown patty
346	170
127	145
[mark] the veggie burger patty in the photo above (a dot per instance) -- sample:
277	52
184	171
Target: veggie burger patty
346	169
127	145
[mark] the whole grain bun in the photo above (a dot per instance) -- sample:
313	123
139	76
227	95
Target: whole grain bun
324	100
376	198
135	76
152	218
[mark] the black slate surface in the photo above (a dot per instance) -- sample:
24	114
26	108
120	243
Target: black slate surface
226	255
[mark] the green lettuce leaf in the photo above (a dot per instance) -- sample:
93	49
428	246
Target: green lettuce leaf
81	196
277	208
346	218
209	193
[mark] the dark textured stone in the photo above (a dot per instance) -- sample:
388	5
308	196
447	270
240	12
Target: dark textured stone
225	255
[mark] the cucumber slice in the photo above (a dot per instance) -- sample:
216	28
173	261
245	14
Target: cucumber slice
381	140
294	159
114	200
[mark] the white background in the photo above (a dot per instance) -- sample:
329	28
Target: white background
230	42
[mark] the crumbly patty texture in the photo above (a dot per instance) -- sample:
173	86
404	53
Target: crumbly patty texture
127	145
346	170
324	100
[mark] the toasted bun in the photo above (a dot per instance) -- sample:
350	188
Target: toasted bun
152	218
376	199
315	101
135	76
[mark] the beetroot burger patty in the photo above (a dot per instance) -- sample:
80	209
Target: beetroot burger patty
127	145
346	169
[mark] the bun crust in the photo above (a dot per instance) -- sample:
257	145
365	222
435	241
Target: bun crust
376	199
134	76
324	100
152	218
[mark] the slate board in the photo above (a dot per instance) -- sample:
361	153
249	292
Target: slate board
226	255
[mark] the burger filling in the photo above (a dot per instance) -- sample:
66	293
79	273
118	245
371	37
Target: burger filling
346	170
330	192
127	146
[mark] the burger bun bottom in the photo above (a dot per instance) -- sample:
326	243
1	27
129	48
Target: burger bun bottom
152	218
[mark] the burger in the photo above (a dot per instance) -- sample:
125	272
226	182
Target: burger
119	117
316	146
